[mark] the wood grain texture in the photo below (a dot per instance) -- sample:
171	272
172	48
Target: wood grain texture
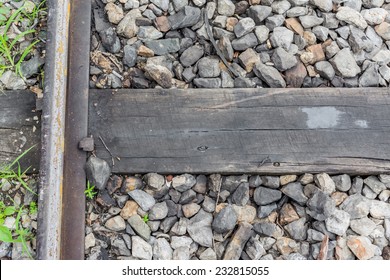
263	131
19	128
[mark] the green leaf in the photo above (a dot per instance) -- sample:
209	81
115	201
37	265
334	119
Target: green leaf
8	211
5	234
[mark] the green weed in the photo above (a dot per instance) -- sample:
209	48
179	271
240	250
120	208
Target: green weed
90	191
145	218
13	172
33	207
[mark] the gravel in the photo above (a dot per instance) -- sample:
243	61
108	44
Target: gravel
277	43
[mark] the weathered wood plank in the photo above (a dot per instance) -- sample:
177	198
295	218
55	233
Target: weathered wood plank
19	128
265	131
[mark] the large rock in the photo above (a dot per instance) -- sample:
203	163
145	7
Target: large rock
127	27
200	228
361	247
159	211
191	55
269	75
283	60
160	74
141	249
338	222
244	26
186	17
320	206
282	37
363	226
241	195
259	13
323	5
183	182
295	191
345	64
383	30
357	206
143	199
351	16
98	171
298	229
380	209
139	226
245	42
325	183
225	7
264	196
116	223
163	46
110	40
374	16
225	220
209	67
162	250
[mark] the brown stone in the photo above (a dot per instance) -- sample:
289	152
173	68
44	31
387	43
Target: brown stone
311	71
342	251
162	24
129	209
317	51
190	209
294	77
287	214
114	184
339	197
383	30
245	213
309	37
294	25
114	13
145	51
286	246
238	241
249	59
361	247
285	179
230	23
254	2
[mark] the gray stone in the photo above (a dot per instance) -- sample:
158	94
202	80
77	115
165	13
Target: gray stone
181	253
345	64
155	184
129	56
374	16
162	4
363	226
297	11
338	222
230	183
321	32
245	42
384	178
262	33
380	209
357	206
208	254
162	250
374	184
187	197
259	13
225	220
98	171
314	235
309	21
5	249
208	204
180	227
143	199
282	37
384	195
373	3
179	4
298	229
31	66
227	80
344	31
139	226
163	46
266	210
325	183
208	67
225	46
127	27
325	69
283	60
183	182
119	247
268	229
149	33
295	191
323	5
180	241
269	75
159	211
280	7
320	206
225	7
191	55
274	21
168	223
255	181
342	182
354	4
359	41
367	192
351	16
200	228
370	77
208	82
241	195
188	74
264	196
254	249
186	17
244	26
236	245
116	223
357	186
141	249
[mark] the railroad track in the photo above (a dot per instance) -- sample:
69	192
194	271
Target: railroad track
264	131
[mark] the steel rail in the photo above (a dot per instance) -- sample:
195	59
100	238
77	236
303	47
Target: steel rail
53	131
64	123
